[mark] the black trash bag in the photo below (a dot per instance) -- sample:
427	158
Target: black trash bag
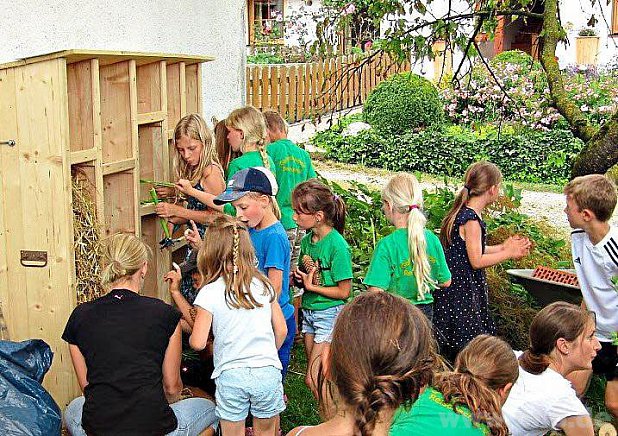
26	408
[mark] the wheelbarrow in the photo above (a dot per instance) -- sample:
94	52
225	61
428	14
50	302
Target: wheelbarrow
545	291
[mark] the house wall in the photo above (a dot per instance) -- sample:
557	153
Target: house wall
574	16
200	27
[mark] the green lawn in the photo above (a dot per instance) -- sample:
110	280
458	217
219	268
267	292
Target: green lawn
302	409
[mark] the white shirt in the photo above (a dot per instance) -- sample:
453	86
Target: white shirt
537	403
595	266
243	338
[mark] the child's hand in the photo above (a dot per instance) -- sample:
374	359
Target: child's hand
193	236
167	210
173	278
165	191
296	276
184	186
306	278
517	246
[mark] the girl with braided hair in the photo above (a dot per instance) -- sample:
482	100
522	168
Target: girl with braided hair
468	400
381	356
240	305
410	261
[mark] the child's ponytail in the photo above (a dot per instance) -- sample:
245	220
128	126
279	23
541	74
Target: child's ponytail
484	366
263	155
338	218
404	195
479	177
251	123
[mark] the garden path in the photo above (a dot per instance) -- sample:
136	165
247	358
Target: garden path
543	205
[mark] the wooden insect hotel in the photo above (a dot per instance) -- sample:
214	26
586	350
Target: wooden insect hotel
99	121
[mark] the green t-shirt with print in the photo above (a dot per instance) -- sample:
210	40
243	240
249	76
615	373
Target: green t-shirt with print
333	254
431	415
249	159
293	165
391	269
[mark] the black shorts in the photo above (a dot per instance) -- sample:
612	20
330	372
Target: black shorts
605	362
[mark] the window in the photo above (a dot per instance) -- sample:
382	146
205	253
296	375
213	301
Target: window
266	21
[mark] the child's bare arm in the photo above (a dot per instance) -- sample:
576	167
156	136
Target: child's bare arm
276	279
201	329
206	198
512	248
339	292
280	328
173	278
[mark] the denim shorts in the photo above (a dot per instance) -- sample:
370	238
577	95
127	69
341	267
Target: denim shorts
240	390
320	323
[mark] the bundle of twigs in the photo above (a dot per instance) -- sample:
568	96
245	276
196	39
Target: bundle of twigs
86	240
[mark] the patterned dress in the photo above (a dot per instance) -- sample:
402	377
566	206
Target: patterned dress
186	286
461	311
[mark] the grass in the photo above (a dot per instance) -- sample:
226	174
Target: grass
302	409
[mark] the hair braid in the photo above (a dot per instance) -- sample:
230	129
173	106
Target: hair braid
262	150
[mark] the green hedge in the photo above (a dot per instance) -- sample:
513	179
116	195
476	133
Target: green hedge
403	102
522	155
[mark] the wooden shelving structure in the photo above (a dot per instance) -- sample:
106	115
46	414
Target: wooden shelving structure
109	115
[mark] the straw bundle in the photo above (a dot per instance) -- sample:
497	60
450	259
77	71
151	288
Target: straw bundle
86	240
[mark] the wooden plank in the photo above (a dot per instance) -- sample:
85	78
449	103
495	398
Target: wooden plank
151	117
119	212
134	146
79	157
248	86
308	91
300	96
119	166
41	105
183	89
148	88
193	88
146	209
265	100
11	277
173	95
79	82
292	94
274	88
115	118
150	141
107	57
97	140
256	97
284	89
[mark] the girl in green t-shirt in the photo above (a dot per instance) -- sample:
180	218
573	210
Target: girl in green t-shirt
324	268
381	356
468	400
410	261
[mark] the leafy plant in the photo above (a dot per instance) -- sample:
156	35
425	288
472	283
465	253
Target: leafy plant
587	31
403	102
264	58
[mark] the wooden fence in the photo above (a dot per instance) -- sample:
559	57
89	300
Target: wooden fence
304	91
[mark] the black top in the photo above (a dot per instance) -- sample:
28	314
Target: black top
123	337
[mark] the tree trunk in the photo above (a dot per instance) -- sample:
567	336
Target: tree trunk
600	153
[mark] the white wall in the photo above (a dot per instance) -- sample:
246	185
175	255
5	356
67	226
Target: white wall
575	15
199	27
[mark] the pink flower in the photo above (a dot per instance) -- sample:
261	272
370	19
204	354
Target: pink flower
350	8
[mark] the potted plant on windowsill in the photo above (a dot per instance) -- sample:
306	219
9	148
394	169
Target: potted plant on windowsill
586	46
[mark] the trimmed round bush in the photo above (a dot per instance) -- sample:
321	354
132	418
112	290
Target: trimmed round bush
404	102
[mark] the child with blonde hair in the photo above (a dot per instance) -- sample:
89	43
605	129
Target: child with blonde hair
198	171
325	268
240	305
462	310
246	133
410	261
252	193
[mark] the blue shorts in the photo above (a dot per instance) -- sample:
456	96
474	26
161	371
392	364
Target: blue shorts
240	390
320	323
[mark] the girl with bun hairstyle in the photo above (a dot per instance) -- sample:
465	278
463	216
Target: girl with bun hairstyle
561	341
382	354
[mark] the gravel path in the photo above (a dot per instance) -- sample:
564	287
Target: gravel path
545	205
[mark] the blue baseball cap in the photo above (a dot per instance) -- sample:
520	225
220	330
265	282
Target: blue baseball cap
255	179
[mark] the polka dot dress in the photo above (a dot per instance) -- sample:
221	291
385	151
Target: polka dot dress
461	311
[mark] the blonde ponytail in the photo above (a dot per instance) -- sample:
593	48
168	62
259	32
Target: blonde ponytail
262	150
251	123
417	245
123	254
404	195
